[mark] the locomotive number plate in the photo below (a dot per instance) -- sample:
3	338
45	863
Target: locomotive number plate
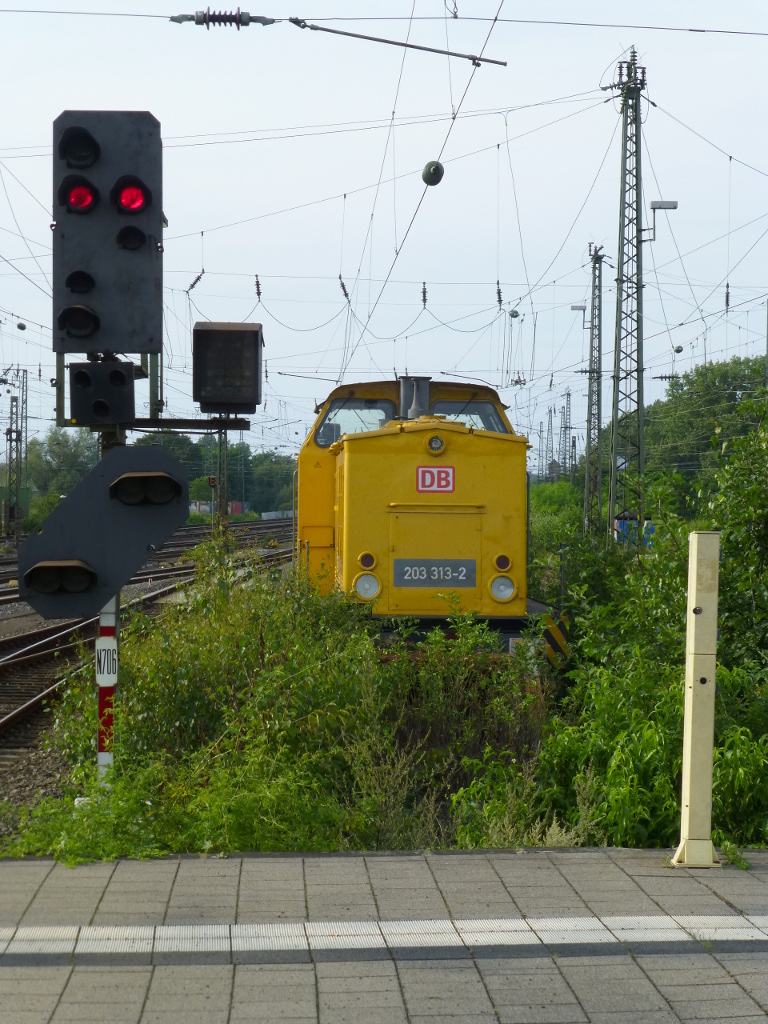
434	572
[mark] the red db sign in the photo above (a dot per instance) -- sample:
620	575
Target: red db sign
435	478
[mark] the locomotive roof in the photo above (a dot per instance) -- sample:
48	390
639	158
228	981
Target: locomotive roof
391	389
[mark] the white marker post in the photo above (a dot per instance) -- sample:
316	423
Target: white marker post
696	849
106	679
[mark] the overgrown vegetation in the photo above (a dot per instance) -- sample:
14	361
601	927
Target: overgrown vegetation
265	716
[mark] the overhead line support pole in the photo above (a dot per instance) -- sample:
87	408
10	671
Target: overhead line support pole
593	462
627	419
222	497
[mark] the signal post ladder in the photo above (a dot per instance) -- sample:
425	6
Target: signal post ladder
106	679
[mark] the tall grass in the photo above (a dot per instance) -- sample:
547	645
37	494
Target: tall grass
263	715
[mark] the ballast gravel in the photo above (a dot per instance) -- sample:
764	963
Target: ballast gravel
36	773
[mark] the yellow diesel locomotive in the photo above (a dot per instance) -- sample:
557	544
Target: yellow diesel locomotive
412	490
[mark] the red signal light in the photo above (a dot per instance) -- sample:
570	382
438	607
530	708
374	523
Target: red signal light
132	199
81	198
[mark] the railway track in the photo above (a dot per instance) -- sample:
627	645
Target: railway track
34	664
183	541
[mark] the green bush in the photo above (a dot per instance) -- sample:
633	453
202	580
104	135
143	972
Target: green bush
555	519
40	509
263	715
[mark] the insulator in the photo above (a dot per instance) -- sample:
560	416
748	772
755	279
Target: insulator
196	281
258	288
424	293
498	294
210	17
344	288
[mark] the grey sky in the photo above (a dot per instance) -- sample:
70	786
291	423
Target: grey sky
265	130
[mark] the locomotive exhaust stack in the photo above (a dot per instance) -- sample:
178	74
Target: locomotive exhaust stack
414	397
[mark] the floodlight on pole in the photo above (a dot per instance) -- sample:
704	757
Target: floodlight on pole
660	204
580	307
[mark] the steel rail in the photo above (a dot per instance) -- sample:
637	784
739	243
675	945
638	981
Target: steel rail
277	557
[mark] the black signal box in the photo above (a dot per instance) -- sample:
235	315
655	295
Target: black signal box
107	238
226	367
101	393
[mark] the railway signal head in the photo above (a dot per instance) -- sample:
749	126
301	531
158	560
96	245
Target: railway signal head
68	575
226	367
101	392
107	251
96	539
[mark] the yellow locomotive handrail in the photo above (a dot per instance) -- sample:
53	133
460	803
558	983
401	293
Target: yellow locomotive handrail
423	506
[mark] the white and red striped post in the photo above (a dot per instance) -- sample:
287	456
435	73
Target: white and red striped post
106	679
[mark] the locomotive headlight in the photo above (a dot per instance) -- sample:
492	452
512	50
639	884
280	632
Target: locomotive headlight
502	588
435	444
367	586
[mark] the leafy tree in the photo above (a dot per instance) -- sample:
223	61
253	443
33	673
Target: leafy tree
239	472
264	479
180	445
272	481
554	518
739	507
59	461
40	509
199	489
706	401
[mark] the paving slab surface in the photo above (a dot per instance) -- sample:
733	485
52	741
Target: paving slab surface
513	937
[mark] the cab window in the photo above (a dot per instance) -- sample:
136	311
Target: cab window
353	416
480	415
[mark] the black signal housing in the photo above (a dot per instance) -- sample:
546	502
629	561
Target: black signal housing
107	238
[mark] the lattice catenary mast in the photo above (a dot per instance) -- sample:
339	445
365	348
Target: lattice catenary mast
549	456
13	463
627	421
564	449
593	490
540	473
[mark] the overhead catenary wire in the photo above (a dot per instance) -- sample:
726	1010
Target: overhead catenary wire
559	23
672	234
709	142
554	22
517	215
25	276
384	181
313	130
421	199
693	286
368	240
581	208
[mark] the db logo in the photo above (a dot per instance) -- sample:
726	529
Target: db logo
430	478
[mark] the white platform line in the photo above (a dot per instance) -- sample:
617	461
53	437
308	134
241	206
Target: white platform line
298	936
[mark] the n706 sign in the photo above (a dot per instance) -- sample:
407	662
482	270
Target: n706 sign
106	661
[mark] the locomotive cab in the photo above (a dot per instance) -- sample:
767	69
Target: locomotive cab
412	497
